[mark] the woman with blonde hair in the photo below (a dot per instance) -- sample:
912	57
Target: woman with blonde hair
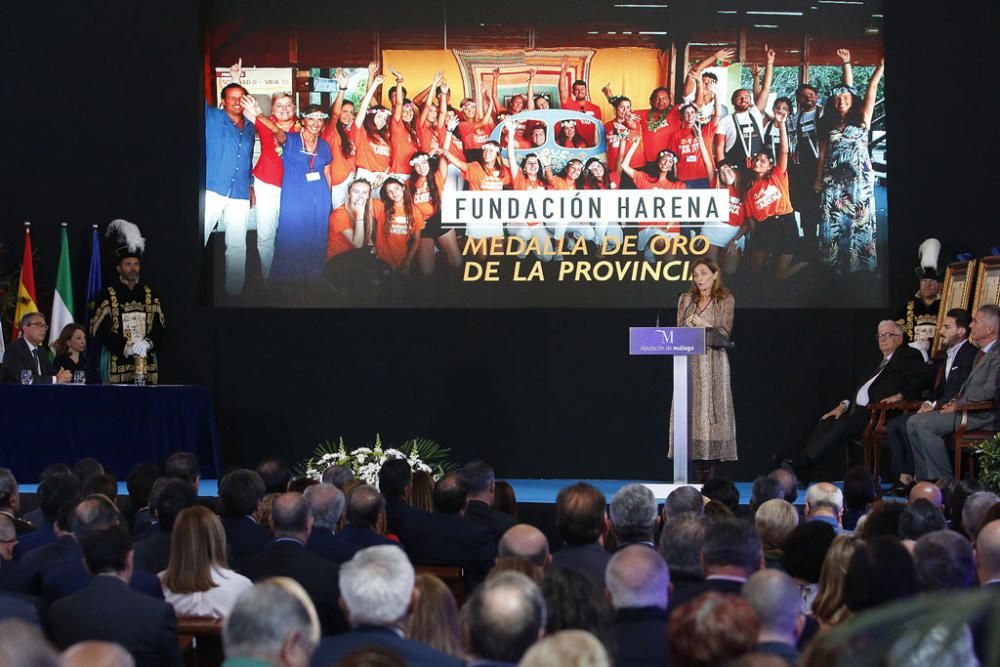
829	607
434	618
198	581
422	491
570	648
774	520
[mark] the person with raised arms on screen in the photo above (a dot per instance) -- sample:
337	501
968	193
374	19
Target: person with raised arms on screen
655	237
339	134
596	176
487	173
371	136
403	133
529	175
476	122
425	187
229	142
740	135
704	96
576	97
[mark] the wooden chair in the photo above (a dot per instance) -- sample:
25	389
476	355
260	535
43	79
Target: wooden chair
453	578
200	639
876	435
964	439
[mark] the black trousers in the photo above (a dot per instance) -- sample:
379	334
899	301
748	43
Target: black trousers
832	435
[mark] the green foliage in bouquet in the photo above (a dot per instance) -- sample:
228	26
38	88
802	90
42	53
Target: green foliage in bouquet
421	453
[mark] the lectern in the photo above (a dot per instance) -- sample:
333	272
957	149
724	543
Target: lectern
680	343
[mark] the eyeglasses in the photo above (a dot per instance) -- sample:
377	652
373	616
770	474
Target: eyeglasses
882	336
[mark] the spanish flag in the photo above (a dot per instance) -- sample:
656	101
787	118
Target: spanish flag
26	301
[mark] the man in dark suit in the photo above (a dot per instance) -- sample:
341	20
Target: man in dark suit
900	375
27	354
395	479
582	523
681	543
240	492
505	616
64	577
270	624
39	562
634	515
638	582
287	556
481	481
53	494
364	505
14	577
446	537
926	431
961	354
778	602
326	502
10	502
732	552
376	586
108	610
153	554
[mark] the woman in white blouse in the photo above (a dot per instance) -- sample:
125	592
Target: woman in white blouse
198	581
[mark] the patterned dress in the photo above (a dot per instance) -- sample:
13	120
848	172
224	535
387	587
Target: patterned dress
713	420
847	226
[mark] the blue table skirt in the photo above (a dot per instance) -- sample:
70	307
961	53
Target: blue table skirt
120	426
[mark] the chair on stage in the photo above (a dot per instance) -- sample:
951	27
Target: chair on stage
200	639
876	436
964	439
453	578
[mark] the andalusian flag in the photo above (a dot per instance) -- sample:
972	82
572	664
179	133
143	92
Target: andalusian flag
26	301
62	299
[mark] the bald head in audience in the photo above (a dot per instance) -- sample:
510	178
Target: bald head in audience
291	516
637	576
525	542
96	654
927	491
777	600
988	554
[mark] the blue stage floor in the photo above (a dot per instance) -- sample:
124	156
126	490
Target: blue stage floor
542	491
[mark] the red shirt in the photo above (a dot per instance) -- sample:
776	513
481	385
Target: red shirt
769	196
616	144
403	147
643	181
690	165
270	169
737	209
585	130
655	141
341	167
392	239
372	154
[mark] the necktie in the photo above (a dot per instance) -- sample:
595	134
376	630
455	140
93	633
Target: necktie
979	357
881	365
38	362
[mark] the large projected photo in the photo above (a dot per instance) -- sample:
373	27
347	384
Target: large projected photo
367	167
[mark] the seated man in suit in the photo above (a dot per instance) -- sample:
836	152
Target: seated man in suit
326	502
53	494
377	590
39	562
681	541
364	506
27	354
481	480
638	585
634	515
10	502
14	577
525	541
961	354
582	523
395	481
67	576
108	610
287	556
732	552
776	598
153	554
446	537
900	375
505	616
240	492
926	431
273	623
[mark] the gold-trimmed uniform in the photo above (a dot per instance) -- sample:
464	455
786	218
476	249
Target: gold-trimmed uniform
123	315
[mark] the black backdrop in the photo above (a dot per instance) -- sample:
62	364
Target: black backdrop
102	104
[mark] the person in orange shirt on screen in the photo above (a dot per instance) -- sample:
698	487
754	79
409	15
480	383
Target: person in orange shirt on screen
404	139
596	176
371	138
529	175
351	223
655	237
339	134
398	224
768	203
489	173
425	188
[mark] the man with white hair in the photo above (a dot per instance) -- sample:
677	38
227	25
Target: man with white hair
376	594
326	502
633	515
638	584
273	623
777	600
900	374
926	431
825	502
974	512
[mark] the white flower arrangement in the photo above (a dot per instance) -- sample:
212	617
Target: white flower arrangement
424	455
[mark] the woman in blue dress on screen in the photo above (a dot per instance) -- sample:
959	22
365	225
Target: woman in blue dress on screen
300	244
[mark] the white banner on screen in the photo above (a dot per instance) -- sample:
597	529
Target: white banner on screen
569	206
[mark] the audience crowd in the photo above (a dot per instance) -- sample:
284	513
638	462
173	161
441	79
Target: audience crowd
296	572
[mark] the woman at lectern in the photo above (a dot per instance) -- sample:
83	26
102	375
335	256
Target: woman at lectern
713	423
